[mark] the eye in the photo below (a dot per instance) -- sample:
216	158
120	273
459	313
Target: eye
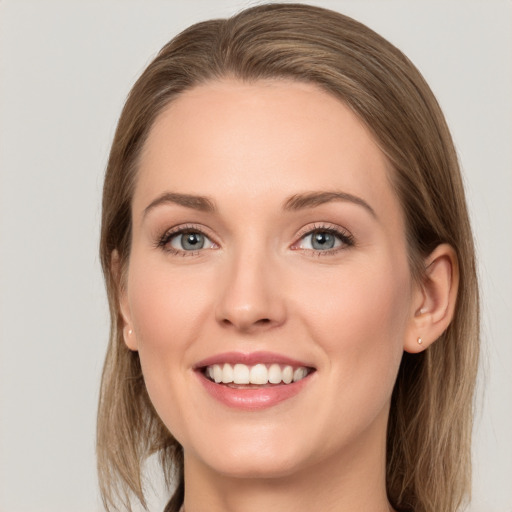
324	239
185	241
320	241
190	241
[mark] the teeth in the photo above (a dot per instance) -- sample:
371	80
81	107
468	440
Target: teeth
275	375
257	374
287	374
241	374
217	373
227	374
299	374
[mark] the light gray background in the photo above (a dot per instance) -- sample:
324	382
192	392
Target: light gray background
65	69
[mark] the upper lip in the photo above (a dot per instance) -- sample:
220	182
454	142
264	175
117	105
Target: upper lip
250	359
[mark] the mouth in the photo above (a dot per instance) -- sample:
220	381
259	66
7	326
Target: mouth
243	376
253	381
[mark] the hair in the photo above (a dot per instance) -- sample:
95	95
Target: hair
430	422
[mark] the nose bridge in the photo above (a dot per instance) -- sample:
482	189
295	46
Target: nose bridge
250	296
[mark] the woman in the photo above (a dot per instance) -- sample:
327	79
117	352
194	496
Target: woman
291	275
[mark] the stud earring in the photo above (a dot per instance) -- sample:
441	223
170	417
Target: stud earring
130	332
420	341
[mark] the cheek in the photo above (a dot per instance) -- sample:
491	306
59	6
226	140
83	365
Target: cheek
166	307
359	299
167	311
360	325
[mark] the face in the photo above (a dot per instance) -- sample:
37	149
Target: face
268	246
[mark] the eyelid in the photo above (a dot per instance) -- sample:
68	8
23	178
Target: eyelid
346	238
163	241
343	234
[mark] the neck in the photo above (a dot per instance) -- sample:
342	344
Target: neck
351	479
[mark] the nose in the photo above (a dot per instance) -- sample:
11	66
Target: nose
252	295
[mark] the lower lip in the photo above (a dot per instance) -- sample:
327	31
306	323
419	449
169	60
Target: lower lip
252	399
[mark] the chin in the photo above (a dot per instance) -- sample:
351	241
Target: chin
251	453
247	466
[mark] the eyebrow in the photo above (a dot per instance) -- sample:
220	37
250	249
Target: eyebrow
312	199
200	203
294	203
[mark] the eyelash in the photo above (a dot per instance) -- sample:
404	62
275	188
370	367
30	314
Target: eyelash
164	241
346	239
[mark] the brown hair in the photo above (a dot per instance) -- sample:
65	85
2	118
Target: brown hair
429	431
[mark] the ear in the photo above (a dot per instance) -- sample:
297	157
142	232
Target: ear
434	299
122	296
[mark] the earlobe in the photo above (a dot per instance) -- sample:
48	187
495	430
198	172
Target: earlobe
435	299
123	304
129	338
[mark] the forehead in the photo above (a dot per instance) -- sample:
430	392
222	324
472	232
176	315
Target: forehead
264	139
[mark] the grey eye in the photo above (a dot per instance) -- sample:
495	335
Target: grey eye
320	240
190	241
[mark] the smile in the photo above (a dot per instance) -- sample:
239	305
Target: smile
253	381
259	374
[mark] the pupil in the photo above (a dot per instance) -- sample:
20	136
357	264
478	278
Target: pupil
323	240
193	241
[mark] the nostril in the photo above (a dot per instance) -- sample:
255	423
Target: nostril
262	322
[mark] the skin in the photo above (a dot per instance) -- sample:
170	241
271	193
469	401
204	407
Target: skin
258	286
